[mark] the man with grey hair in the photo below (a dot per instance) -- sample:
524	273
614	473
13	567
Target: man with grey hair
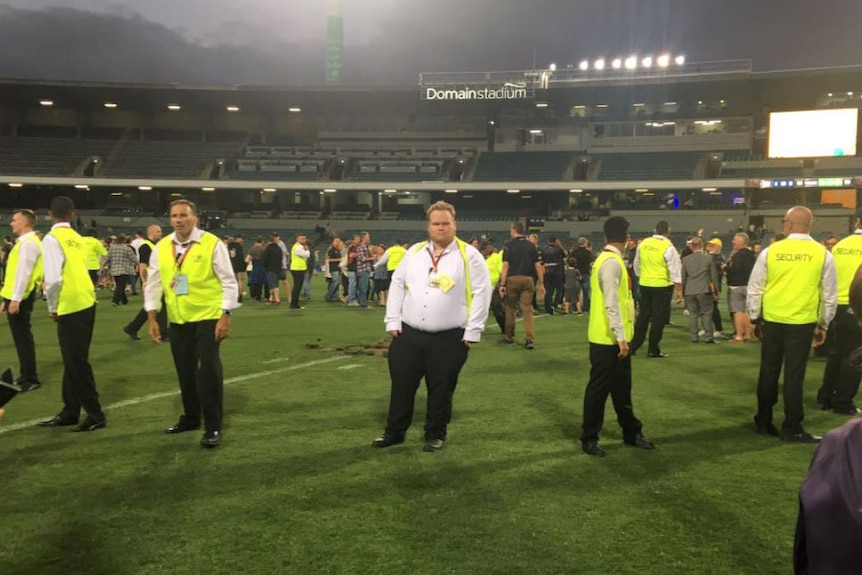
737	271
699	280
583	259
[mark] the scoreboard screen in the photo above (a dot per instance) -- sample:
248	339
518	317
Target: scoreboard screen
813	133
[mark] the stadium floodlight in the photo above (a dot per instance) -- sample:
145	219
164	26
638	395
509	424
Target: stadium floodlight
513	191
584	65
670	103
46	103
552	67
576	191
82	187
145	188
16	185
174	107
639	105
110	105
232	108
207	189
541	104
294	110
330	190
617	63
601	105
663	61
599	64
451	191
849	93
641	190
647	62
680	60
709	189
269	190
631	62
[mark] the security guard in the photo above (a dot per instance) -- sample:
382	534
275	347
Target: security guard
23	282
840	378
793	288
145	251
657	265
610	330
96	254
494	261
192	269
72	304
391	258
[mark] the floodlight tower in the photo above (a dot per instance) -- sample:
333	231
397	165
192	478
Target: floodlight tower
334	43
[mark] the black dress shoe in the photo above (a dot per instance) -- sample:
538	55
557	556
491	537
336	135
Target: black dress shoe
592	448
432	445
59	421
839	410
640	442
89	425
387	439
132	335
824	405
29	386
766	429
800	437
184	425
658	355
211	439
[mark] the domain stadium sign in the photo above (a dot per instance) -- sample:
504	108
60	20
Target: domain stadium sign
509	91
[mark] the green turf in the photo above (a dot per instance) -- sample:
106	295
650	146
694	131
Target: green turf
296	487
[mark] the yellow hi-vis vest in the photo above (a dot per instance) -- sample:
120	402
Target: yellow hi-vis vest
462	247
654	270
396	254
848	257
297	262
37	274
495	267
77	292
204	299
599	331
94	248
794	268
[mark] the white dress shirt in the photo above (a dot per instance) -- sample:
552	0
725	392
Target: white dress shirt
53	259
221	266
28	254
415	302
828	285
671	256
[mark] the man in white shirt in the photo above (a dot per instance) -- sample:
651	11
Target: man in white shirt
437	308
793	289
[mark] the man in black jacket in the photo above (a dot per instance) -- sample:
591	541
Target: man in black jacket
553	257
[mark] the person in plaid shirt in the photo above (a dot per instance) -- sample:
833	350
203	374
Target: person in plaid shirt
364	267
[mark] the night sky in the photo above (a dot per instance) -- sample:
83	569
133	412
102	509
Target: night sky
278	42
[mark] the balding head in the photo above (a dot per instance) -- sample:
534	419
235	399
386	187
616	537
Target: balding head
154	232
798	220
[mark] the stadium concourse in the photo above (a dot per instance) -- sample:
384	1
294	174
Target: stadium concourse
295	487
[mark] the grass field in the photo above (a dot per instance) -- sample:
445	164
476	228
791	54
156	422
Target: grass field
296	487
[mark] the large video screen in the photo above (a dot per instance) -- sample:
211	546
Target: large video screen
814	133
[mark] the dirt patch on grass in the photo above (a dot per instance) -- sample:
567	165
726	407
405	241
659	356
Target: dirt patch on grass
379	349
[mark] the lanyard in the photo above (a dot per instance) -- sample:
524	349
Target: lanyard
180	261
434	260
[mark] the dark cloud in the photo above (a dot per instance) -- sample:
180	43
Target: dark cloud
391	42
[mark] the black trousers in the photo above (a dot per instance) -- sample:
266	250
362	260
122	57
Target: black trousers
789	345
498	309
198	363
716	317
22	335
841	378
438	357
140	320
120	283
609	375
296	288
555	284
75	332
654	313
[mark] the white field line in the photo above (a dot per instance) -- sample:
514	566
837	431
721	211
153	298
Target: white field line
346	367
153	396
276	360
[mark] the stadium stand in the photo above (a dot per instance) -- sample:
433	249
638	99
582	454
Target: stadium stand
837	167
762	169
48	156
159	160
522	166
648	166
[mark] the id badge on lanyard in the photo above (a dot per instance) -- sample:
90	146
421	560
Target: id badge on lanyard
180	283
